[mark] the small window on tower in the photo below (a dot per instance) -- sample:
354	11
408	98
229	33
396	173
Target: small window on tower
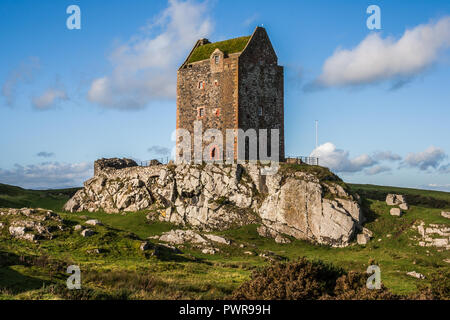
200	112
201	85
217	112
216	59
216	83
260	111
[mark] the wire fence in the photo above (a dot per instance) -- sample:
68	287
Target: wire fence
303	160
154	162
314	161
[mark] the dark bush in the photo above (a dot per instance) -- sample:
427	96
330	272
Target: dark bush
352	286
301	279
306	280
437	289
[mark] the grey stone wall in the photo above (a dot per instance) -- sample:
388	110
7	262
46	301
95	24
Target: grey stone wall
261	85
218	97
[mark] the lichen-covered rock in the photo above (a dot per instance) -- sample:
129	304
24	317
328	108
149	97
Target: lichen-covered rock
362	239
87	233
94	222
304	205
217	239
395	199
396	212
182	236
415	275
298	208
31	224
433	235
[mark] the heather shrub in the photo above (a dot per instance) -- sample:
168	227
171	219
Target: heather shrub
308	280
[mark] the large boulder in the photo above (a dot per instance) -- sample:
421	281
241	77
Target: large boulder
396	212
395	199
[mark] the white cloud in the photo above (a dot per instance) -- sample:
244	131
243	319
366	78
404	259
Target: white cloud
386	156
22	74
430	158
339	161
377	170
49	98
159	150
445	168
47	175
376	59
144	68
45	154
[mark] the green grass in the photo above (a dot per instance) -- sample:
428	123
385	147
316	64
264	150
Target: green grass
228	46
121	270
16	197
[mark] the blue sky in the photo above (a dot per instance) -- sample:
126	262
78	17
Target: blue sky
69	97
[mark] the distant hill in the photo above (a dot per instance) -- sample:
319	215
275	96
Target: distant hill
417	197
16	197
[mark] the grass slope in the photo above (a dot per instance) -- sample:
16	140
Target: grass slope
119	270
16	197
425	198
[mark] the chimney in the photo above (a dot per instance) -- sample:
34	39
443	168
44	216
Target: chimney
203	41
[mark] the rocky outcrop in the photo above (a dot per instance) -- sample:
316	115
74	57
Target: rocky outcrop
433	235
206	243
296	205
31	224
113	163
397	200
314	206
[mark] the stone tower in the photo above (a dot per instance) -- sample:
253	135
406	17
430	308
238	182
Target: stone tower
232	84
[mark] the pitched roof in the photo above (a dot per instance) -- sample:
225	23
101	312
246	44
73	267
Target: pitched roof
228	46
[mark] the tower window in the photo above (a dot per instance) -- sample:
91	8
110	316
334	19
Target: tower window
216	83
217	112
216	59
201	85
260	111
200	112
214	153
